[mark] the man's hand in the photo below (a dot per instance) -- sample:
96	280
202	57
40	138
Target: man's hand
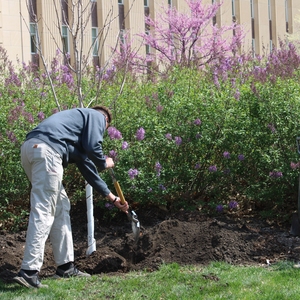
109	162
117	202
124	207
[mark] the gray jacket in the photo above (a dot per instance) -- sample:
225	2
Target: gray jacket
77	135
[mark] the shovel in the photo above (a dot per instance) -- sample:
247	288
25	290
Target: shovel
132	216
295	228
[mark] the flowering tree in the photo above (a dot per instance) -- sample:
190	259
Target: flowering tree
70	63
191	38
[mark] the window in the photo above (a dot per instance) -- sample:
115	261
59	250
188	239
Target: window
233	8
65	38
147	46
120	1
270	23
95	42
33	38
252	9
170	2
146	3
122	37
286	17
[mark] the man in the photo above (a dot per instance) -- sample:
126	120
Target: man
70	136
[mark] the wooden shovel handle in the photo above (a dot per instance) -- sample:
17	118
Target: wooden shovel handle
119	191
117	186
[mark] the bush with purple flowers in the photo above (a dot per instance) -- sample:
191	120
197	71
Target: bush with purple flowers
206	135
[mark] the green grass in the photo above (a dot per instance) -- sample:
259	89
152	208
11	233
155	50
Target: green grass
216	281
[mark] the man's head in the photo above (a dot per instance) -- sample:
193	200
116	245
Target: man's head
104	110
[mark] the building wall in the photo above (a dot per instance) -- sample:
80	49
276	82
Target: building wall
15	36
243	16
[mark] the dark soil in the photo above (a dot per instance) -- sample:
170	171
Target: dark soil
186	238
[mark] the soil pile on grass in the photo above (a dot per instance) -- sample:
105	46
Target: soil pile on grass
186	238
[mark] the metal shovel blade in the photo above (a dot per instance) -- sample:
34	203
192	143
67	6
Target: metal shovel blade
132	216
135	225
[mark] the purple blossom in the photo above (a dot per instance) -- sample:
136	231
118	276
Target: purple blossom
212	169
294	166
158	168
28	116
226	154
232	204
275	174
272	128
178	140
237	94
132	173
114	133
125	145
198	136
197	166
140	134
241	157
11	136
148	101
149	190
169	136
41	116
15	113
219	208
162	187
155	96
159	108
113	154
109	205
197	122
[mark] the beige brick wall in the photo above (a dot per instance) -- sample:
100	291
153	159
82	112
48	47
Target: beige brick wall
108	23
14	34
15	37
135	22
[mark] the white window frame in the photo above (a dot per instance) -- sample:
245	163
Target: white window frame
148	48
95	41
146	3
286	11
65	38
233	7
33	38
252	8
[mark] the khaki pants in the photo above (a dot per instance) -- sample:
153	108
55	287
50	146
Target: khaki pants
50	206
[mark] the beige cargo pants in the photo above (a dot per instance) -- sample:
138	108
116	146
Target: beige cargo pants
50	206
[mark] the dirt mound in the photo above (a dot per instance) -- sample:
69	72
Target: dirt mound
185	237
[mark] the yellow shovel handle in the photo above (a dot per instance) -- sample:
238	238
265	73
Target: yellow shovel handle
119	191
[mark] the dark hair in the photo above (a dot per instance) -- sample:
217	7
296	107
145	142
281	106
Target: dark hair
105	110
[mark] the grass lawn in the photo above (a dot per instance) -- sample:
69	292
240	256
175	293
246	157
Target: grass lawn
217	281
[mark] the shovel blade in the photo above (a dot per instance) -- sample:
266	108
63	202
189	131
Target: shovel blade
295	228
135	225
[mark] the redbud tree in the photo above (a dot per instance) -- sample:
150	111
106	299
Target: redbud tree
190	38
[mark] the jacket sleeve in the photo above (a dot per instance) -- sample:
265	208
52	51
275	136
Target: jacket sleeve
93	137
89	171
